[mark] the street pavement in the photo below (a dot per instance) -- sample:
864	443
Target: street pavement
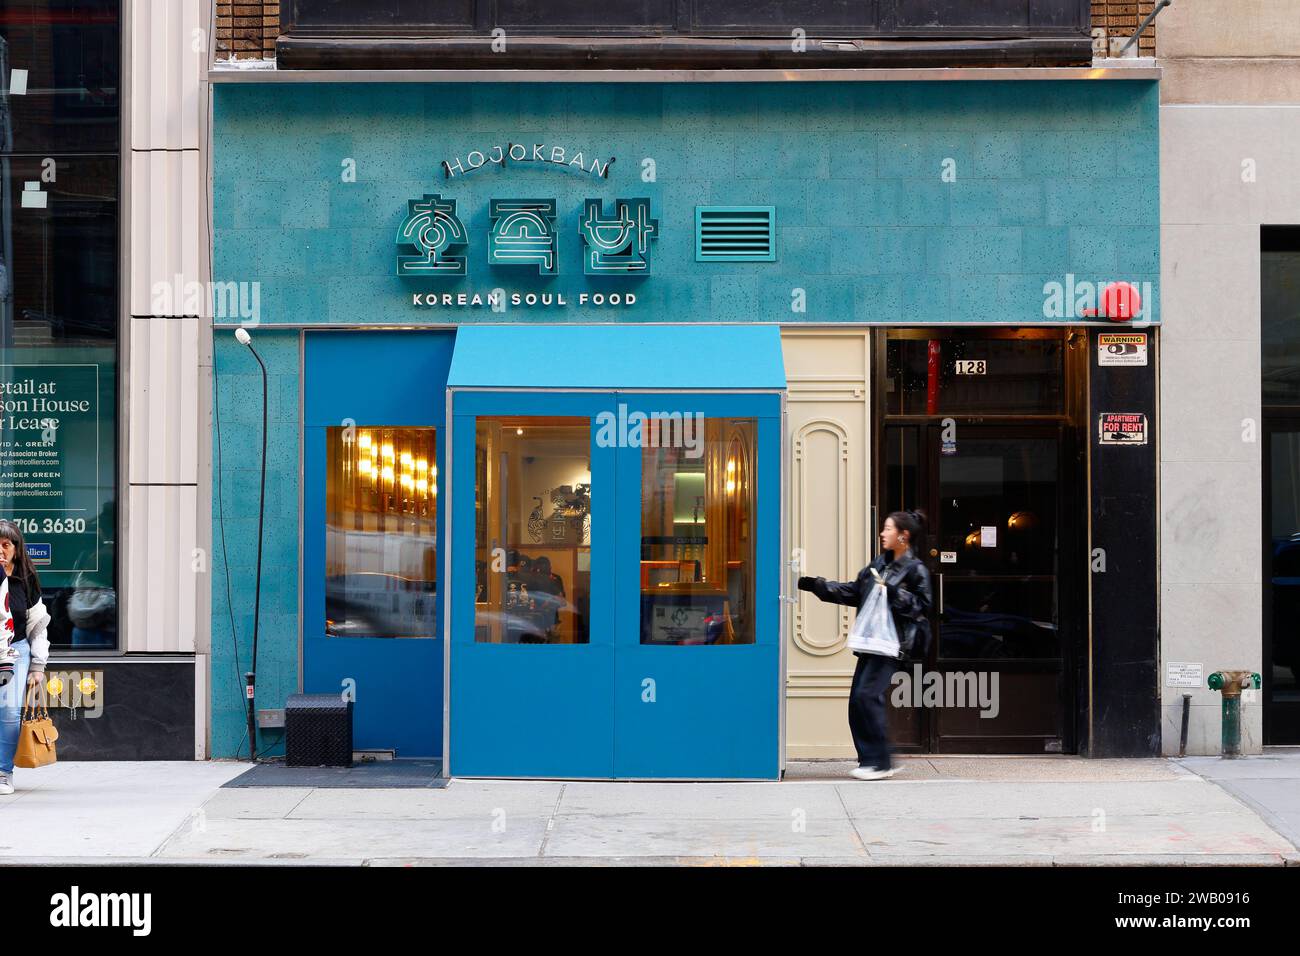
1030	811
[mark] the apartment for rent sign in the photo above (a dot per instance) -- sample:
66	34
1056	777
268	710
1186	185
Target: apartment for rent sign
1122	428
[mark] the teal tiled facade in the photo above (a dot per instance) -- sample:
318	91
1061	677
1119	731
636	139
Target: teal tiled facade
1045	179
236	460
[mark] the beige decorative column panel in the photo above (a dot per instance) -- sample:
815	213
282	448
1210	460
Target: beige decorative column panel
165	538
830	514
166	547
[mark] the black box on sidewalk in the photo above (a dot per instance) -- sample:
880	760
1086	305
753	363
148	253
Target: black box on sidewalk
317	731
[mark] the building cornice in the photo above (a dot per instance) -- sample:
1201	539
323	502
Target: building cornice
1102	70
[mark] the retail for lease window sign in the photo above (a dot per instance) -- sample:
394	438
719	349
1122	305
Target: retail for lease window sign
56	461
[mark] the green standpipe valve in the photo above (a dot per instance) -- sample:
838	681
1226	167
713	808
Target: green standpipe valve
1231	684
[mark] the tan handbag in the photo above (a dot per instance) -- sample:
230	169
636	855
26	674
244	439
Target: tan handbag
37	736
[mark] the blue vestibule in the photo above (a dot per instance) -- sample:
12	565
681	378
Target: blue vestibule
608	540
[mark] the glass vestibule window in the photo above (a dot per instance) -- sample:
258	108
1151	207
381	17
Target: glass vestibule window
533	530
381	506
697	531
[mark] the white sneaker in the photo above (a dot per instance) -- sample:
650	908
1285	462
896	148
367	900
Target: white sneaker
872	773
6	783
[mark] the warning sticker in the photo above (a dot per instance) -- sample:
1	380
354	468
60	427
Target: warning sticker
1122	348
1122	428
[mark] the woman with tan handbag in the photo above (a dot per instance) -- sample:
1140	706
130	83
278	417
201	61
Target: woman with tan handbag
24	620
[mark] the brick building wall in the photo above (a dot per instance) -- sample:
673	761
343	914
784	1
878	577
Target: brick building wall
246	29
1120	18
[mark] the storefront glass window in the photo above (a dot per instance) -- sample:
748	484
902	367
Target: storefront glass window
58	383
1280	314
1283	576
533	530
381	504
1280	389
697	544
59	64
59	144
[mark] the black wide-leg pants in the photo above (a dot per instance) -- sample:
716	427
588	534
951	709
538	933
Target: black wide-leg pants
868	717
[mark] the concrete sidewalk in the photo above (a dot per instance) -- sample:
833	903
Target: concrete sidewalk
938	810
1269	784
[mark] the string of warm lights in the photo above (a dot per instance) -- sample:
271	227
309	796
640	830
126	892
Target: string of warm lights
409	478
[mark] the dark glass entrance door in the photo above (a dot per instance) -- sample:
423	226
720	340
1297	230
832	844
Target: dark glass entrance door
997	494
1281	670
994	494
982	430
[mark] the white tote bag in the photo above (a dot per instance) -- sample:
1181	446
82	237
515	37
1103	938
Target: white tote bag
873	630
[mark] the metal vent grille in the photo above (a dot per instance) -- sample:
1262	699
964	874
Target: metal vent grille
735	233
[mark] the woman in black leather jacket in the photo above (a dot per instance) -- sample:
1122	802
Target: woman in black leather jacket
907	581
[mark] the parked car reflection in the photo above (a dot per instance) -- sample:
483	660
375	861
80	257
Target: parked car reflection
977	634
372	604
1285	578
535	624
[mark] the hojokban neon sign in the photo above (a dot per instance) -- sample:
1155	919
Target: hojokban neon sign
433	240
519	153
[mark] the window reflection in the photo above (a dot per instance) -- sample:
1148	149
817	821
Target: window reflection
1285	567
381	505
997	518
58	330
533	530
70	50
1280	315
984	375
697	546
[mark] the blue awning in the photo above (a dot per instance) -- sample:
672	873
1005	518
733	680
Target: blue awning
687	357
